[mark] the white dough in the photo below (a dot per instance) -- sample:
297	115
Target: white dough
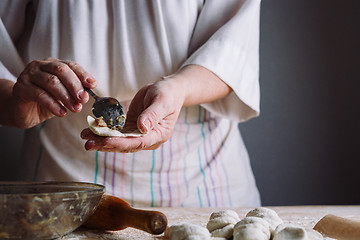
221	223
295	232
225	213
107	132
314	235
267	214
290	231
223	233
187	231
252	228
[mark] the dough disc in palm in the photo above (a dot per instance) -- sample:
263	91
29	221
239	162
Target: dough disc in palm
107	132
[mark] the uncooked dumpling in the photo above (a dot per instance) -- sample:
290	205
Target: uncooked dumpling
314	235
267	214
295	232
221	224
107	132
252	228
187	231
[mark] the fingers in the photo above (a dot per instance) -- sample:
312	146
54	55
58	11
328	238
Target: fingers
56	85
161	105
72	76
152	116
45	99
54	88
154	111
119	144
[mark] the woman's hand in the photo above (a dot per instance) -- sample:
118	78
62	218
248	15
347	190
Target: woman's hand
156	107
154	111
48	88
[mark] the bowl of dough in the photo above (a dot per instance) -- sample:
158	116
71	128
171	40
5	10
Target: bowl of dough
45	210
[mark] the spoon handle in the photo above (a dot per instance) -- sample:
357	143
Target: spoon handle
91	93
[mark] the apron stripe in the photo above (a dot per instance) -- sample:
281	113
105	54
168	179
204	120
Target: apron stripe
199	155
132	179
187	150
96	165
199	196
214	157
178	185
122	171
204	179
151	178
169	170
222	146
38	162
105	168
160	171
206	155
113	175
41	148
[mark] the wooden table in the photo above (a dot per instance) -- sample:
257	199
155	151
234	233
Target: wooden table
306	216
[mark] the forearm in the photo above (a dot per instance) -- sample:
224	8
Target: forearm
199	85
6	87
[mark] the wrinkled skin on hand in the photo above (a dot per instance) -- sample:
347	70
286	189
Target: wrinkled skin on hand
48	88
154	111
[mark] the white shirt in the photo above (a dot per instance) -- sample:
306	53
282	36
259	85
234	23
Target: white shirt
125	45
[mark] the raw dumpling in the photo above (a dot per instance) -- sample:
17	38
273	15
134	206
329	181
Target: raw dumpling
187	231
267	214
221	224
252	228
290	231
295	232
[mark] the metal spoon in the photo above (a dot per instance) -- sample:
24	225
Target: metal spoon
109	109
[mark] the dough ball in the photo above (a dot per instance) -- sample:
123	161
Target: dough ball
252	228
295	232
225	213
314	235
107	132
290	231
267	214
224	232
221	223
187	231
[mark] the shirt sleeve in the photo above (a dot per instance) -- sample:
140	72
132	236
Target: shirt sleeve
12	19
226	42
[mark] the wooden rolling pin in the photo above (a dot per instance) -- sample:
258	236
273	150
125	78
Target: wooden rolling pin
114	213
338	228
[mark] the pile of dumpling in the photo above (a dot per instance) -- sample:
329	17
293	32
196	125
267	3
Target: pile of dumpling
259	224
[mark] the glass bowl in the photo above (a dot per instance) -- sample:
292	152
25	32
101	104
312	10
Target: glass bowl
45	210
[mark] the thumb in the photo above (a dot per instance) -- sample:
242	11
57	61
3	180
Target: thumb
150	117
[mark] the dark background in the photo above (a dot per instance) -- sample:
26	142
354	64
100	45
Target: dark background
304	147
